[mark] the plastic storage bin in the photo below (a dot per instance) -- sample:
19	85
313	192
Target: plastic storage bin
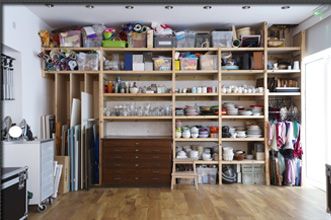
164	41
88	61
162	63
137	40
70	38
222	38
188	63
208	62
202	40
252	174
207	175
185	39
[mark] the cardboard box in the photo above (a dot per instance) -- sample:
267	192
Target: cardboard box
64	180
257	61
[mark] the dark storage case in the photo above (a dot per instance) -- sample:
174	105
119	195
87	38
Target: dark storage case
164	41
14	193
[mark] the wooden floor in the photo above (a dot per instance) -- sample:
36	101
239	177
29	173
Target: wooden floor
209	202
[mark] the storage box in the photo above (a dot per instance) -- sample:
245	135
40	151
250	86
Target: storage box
14	201
164	41
222	38
207	175
138	67
202	40
208	62
88	61
252	174
257	61
137	40
162	63
185	39
70	38
64	180
188	63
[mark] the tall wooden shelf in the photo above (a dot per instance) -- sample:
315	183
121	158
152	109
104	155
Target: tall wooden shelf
73	82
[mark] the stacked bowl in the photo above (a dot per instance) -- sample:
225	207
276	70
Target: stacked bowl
228	153
254	131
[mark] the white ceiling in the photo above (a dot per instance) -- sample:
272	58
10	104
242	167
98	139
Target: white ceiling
180	15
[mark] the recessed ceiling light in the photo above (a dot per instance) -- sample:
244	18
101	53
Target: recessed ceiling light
285	7
129	7
169	7
207	7
89	6
49	5
246	7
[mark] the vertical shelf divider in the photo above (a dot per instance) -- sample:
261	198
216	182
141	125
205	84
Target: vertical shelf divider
173	89
219	90
101	104
266	105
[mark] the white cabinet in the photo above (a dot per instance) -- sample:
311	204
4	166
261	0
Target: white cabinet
38	156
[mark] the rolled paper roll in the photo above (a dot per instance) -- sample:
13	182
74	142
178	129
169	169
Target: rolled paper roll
137	27
236	43
144	28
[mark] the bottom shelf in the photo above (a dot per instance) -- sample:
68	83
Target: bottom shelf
243	162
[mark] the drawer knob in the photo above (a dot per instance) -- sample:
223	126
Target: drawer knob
137	150
137	178
137	165
137	157
137	143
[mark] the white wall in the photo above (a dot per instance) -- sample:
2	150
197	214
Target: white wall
20	33
14	107
319	36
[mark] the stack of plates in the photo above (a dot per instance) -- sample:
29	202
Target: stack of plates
191	111
254	131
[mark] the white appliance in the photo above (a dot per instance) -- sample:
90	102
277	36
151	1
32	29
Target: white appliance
38	156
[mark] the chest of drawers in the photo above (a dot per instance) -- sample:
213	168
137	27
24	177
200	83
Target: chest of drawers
136	161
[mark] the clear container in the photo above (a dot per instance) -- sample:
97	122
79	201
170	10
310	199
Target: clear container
222	38
185	39
88	61
70	38
208	62
188	63
162	63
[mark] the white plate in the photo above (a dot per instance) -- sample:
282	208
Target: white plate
254	136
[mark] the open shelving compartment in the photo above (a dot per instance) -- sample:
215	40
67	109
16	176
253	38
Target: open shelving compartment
69	84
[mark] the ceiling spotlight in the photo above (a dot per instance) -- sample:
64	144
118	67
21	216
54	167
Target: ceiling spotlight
49	5
285	7
207	7
169	7
89	6
246	7
129	7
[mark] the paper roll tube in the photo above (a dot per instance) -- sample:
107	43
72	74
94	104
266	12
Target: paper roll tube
236	43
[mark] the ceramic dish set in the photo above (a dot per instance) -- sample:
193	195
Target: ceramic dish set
252	131
232	109
197	132
197	110
197	153
198	89
241	89
229	154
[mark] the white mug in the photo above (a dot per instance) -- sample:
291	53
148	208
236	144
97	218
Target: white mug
296	65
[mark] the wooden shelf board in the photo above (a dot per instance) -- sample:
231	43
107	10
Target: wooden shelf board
243	49
196	94
154	72
206	162
241	117
137	95
284	94
283	49
137	49
243	162
196	49
242	94
197	139
72	72
72	48
283	71
242	72
196	71
197	117
184	174
137	117
241	139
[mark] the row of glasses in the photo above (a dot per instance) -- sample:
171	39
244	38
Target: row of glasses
138	110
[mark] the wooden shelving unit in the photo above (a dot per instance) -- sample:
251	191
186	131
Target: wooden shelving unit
69	84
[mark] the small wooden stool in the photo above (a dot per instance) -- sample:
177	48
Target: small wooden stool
184	174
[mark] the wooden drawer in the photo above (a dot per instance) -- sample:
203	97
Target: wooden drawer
141	172
138	164
136	180
134	156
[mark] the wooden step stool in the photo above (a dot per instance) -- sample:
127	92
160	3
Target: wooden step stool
184	174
